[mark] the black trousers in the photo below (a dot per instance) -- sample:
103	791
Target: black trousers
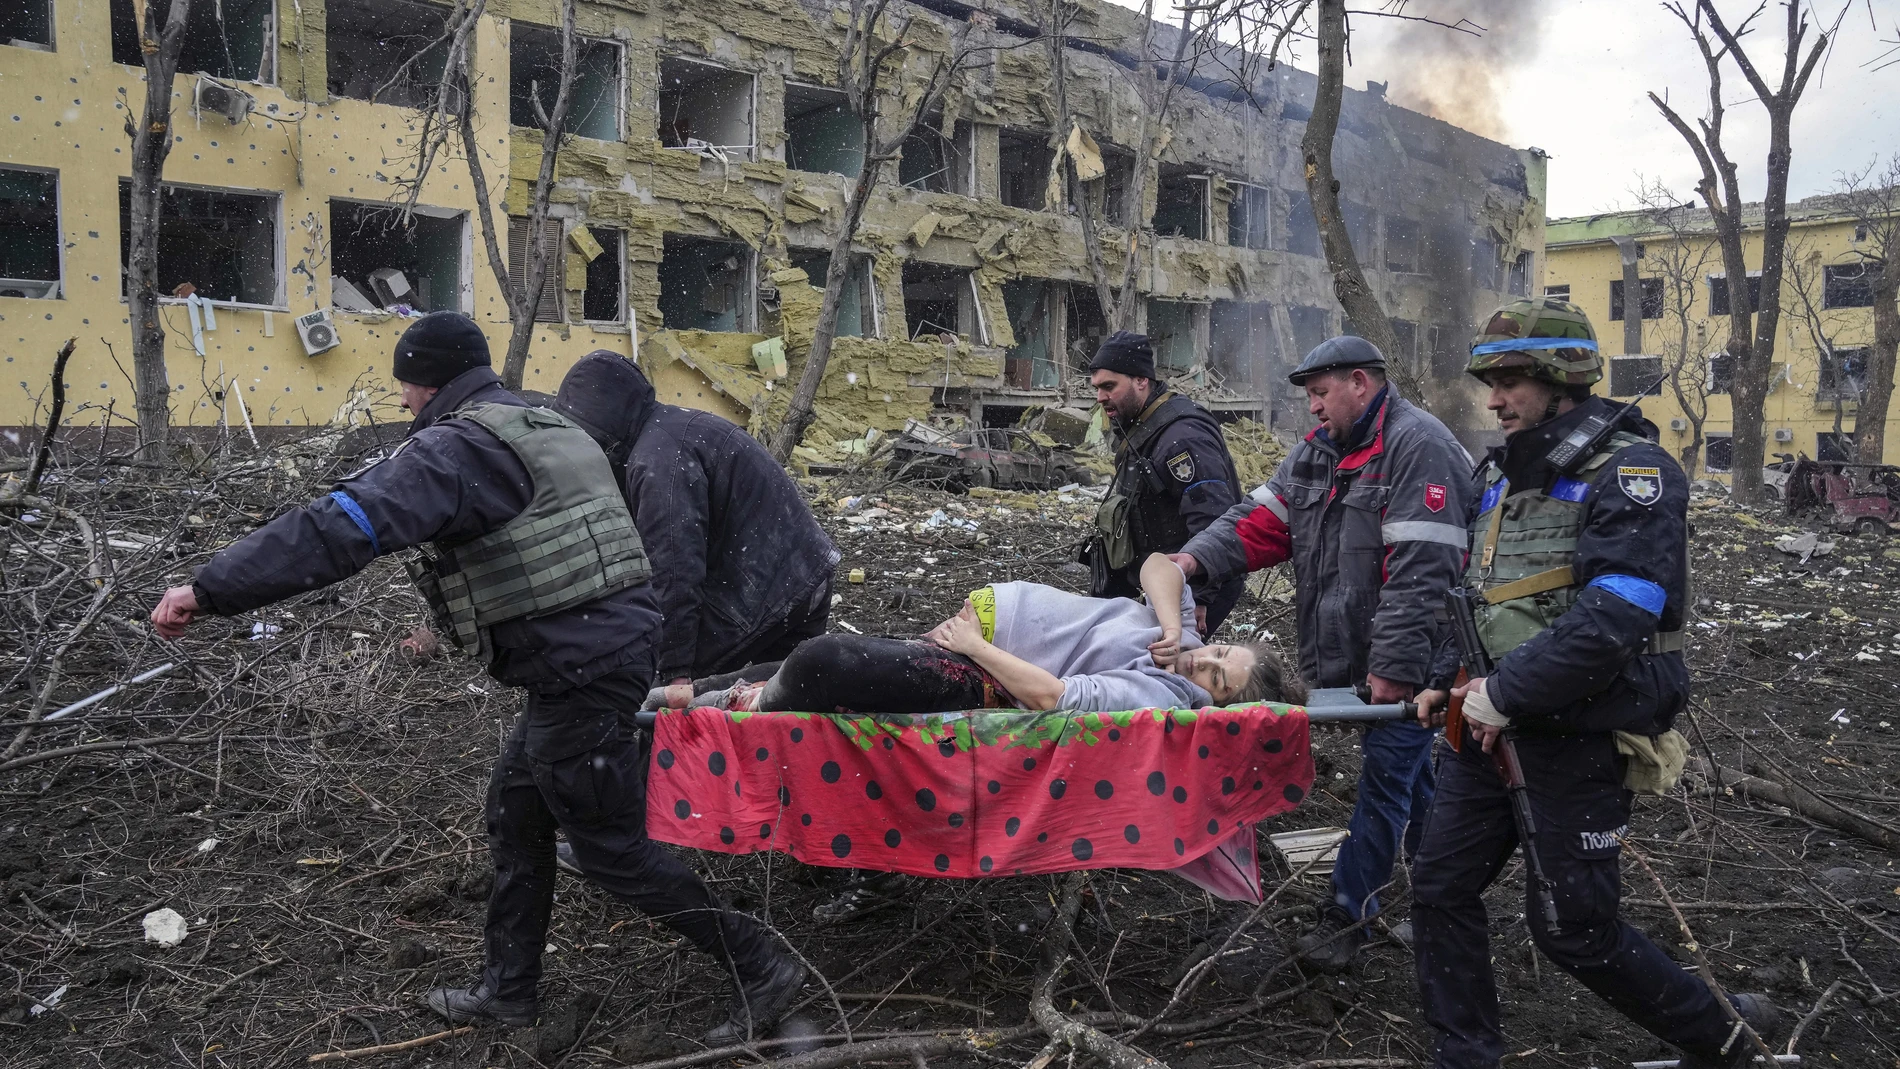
781	638
864	673
577	762
1580	806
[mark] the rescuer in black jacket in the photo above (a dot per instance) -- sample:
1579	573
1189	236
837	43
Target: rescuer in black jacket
741	567
1173	476
579	634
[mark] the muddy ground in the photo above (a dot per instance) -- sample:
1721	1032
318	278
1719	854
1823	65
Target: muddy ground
310	802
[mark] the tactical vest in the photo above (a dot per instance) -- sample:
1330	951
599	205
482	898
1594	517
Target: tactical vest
1522	546
574	543
1128	520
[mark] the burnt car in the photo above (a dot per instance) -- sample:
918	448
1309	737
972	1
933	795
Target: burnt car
1001	458
1863	498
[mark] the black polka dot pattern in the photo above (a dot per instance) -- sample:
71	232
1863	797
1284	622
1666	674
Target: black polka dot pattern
829	772
926	799
873	791
841	845
716	763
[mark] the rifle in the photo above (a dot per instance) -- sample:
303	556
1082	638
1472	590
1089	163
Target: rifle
1461	604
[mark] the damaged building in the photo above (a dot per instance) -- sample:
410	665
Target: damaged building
699	198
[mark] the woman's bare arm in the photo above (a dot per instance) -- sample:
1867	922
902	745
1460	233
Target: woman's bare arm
1161	581
1035	687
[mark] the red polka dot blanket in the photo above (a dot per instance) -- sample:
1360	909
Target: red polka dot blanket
984	793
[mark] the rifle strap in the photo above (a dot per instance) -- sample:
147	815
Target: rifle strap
1491	539
1550	579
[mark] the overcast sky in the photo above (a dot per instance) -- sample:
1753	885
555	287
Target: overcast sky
1572	78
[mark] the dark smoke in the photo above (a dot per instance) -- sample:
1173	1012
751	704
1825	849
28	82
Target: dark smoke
1445	72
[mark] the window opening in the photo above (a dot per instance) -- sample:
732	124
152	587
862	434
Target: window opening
27	24
1559	292
822	133
706	284
235	39
1181	204
1031	307
1247	216
1519	282
534	67
1843	375
1405	332
936	163
705	108
1362	227
1847	286
1484	263
1120	165
939	299
604	300
1719	297
1721	373
1718	453
1086	325
547	306
1241	345
1302	226
1403	241
223	244
1652	298
1310	327
1174	331
29	233
388	51
1836	446
857	303
1631	373
1023	160
379	261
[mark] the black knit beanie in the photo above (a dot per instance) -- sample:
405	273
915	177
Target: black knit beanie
1125	353
438	347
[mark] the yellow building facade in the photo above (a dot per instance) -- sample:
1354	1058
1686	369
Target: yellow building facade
1825	338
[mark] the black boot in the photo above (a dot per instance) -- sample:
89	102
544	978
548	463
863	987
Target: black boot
1762	1016
461	1005
761	1000
1332	945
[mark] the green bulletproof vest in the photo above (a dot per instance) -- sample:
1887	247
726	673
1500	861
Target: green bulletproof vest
574	543
1522	546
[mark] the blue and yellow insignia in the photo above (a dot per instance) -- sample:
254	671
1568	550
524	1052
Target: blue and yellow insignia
1182	467
1641	485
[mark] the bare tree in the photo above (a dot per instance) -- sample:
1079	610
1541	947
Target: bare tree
1803	295
450	114
1872	199
867	58
1680	251
1720	189
151	144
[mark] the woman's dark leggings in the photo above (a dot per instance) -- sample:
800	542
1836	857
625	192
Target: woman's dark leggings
861	673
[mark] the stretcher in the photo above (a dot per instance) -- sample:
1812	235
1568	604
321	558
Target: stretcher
993	792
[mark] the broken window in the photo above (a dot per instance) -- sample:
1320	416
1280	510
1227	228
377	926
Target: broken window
1559	292
857	304
1847	286
1240	340
936	163
1302	226
1652	298
822	133
939	299
604	300
1085	323
1023	161
1721	373
1718	453
388	51
1031	306
1839	447
1519	282
1310	327
1405	332
706	284
27	24
705	108
1181	204
547	305
1718	293
377	260
1120	165
1404	241
1175	330
1484	264
29	233
222	244
1843	375
1629	374
1247	216
235	39
534	70
1362	228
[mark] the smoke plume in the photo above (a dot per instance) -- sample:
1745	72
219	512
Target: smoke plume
1446	72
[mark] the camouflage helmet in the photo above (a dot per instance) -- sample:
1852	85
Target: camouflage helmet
1544	338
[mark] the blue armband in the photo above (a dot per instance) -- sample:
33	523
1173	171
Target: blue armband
1641	593
355	512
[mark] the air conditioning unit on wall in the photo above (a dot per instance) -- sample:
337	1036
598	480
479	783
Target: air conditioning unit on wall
317	332
1783	434
1678	425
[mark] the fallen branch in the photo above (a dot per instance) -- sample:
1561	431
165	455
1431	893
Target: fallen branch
1355	1063
1813	808
1814	1014
1060	1027
32	484
390	1048
913	1048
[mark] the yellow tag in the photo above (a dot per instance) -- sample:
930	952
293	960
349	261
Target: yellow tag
983	600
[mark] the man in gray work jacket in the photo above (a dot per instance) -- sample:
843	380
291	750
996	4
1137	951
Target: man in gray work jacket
1369	509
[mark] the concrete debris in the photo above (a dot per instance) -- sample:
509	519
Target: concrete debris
1255	450
988	457
166	927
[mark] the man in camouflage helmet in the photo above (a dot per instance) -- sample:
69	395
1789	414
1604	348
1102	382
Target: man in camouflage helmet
1583	574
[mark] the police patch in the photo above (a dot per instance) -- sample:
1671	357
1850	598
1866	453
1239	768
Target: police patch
1641	485
1182	467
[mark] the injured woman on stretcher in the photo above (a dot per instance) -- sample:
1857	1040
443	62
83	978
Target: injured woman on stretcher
1015	645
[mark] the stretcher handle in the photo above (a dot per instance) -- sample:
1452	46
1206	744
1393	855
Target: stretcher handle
1331	714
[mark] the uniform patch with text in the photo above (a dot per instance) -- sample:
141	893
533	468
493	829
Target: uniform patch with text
1182	467
1602	840
1641	485
1434	497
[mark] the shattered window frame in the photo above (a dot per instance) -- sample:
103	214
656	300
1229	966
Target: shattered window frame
1719	293
1627	372
1847	286
1721	377
1252	203
1718	452
1842	374
46	28
16	221
1404	245
969	324
1194	315
550	305
1024	368
423	78
1178	179
808	97
745	296
463	300
123	25
955	157
1033	178
668	132
1256	339
1302	225
582	121
1559	291
862	275
170	217
1517	275
613	253
1836	447
1652	299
